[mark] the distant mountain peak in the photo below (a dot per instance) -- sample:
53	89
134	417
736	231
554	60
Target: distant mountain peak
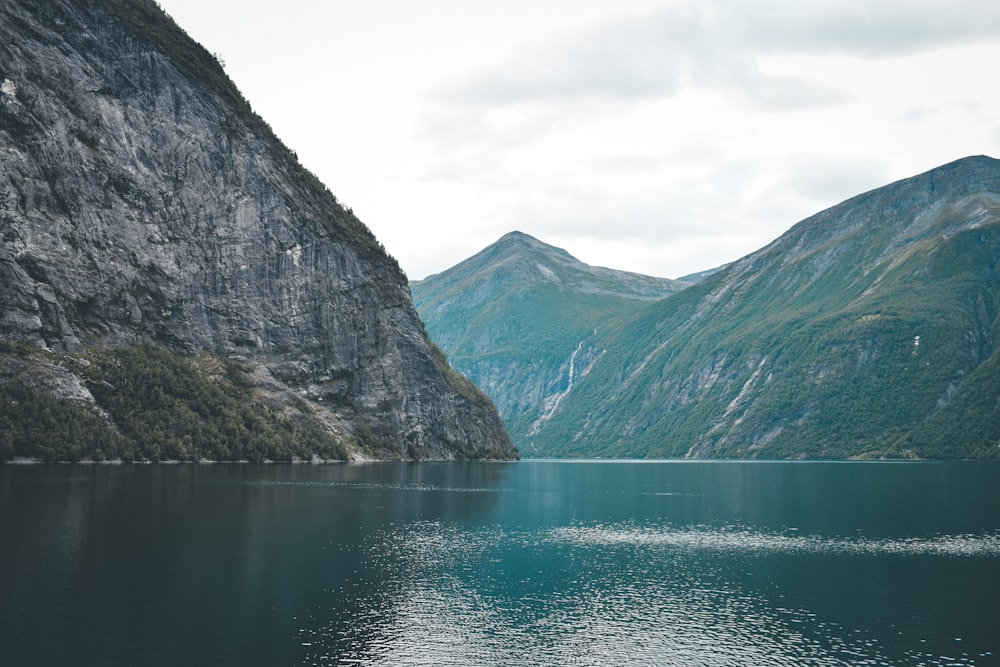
519	242
518	259
518	236
527	319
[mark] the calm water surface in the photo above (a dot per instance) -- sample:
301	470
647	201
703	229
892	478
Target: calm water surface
531	563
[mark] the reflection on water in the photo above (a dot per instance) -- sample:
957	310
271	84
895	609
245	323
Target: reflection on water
746	541
534	563
605	596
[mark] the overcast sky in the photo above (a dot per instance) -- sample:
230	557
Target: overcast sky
650	136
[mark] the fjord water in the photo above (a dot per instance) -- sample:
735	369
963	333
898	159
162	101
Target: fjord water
530	563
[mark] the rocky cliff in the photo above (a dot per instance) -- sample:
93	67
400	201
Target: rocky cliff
142	203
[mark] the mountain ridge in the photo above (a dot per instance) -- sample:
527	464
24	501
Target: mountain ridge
515	246
797	307
866	330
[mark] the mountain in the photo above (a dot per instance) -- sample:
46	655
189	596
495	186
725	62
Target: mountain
868	330
175	285
865	331
522	319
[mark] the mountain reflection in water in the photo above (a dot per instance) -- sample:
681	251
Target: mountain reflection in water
533	563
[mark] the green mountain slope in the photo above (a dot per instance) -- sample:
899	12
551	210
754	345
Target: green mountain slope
867	330
521	319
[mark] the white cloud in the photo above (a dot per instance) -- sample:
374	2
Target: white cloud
650	135
867	29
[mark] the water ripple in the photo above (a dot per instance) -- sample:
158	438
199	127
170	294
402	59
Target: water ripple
369	486
570	596
745	540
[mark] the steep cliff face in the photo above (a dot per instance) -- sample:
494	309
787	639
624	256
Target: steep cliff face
142	201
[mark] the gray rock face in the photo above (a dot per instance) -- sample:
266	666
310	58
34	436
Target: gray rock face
141	200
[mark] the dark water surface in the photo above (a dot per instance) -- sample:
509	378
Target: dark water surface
531	563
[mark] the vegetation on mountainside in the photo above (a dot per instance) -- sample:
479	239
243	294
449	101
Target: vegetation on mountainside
154	405
539	343
36	425
802	361
462	385
516	319
866	331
